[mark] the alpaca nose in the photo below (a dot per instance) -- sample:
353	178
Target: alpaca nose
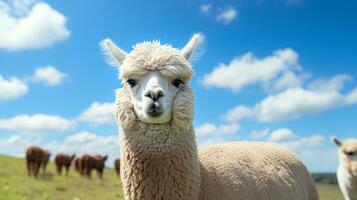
155	93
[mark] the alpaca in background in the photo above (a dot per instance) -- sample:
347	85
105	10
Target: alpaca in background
117	166
35	158
347	170
45	159
63	160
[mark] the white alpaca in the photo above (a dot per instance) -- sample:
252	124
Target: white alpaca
347	170
159	154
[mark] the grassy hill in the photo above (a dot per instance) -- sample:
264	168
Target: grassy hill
16	185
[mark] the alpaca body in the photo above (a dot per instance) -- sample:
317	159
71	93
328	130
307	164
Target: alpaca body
35	158
65	161
253	170
45	159
161	162
160	159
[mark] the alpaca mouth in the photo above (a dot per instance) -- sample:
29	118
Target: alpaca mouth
155	113
155	110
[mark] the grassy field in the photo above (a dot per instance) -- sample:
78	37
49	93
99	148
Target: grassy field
16	185
329	192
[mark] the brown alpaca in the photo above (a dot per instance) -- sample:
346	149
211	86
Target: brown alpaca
99	164
90	163
35	157
78	163
87	165
117	166
63	160
45	159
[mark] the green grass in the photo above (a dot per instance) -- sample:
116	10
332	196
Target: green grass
16	185
329	192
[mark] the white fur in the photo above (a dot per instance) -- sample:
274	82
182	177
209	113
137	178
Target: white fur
347	169
194	48
115	55
153	82
160	158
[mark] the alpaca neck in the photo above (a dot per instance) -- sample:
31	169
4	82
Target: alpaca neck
159	163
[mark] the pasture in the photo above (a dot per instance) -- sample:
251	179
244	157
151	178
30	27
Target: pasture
16	185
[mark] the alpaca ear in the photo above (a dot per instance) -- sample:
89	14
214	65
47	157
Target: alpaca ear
194	46
115	55
336	141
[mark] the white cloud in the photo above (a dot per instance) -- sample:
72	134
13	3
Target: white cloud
289	80
294	141
282	134
49	75
259	134
335	83
351	98
12	88
17	144
290	104
27	25
38	123
248	70
88	143
296	102
210	129
227	15
99	113
205	8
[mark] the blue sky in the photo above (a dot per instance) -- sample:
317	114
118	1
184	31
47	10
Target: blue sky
273	70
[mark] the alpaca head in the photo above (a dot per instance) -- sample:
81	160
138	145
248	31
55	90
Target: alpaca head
347	151
154	74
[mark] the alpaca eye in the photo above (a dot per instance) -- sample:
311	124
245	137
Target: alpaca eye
349	153
177	82
131	82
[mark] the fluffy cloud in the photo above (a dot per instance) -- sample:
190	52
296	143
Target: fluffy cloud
99	113
248	70
12	88
351	98
210	129
16	144
296	102
288	138
27	25
88	143
38	123
227	15
292	140
259	134
48	75
282	134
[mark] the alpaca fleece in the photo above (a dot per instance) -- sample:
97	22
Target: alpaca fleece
347	170
253	171
161	161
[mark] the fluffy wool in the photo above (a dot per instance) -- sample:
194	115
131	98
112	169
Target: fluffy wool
252	171
161	161
347	169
